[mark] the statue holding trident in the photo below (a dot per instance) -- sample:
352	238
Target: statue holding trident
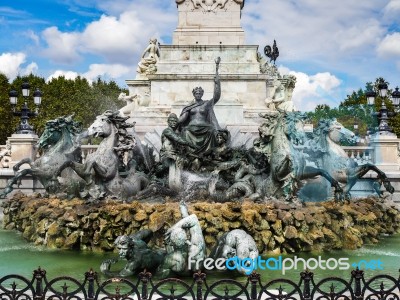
198	123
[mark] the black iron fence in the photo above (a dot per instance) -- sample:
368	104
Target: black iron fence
380	287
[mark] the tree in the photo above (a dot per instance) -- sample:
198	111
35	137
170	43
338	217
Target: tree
6	125
354	109
61	97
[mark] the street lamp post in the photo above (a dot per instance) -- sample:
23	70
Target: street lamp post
355	126
384	114
25	113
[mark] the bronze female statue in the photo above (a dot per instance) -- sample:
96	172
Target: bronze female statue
198	123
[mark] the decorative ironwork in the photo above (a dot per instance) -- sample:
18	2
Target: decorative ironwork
379	287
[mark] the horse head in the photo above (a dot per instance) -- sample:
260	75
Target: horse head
284	128
293	126
62	129
335	131
102	126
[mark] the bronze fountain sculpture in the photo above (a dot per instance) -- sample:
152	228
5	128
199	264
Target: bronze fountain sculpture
195	158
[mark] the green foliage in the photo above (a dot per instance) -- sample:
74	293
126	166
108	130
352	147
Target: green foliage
61	97
354	109
6	124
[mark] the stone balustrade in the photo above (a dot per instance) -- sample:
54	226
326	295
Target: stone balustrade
86	150
360	154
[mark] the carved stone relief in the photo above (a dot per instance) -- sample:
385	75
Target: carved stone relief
210	5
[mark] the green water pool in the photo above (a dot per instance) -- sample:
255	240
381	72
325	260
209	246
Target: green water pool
20	257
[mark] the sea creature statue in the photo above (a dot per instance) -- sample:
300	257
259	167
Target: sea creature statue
60	143
135	250
279	137
324	150
235	246
183	246
101	168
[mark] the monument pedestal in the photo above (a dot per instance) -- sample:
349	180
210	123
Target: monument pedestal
386	151
182	68
22	146
206	30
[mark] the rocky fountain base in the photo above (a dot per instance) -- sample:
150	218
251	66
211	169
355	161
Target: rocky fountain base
276	227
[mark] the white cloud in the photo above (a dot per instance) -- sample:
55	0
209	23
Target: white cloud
118	38
62	47
32	68
95	70
114	38
392	10
360	36
390	46
67	74
108	71
325	32
33	36
11	64
312	90
325	80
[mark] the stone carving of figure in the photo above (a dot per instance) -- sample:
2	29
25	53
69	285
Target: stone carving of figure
5	155
211	5
134	249
132	103
147	64
198	123
279	95
266	67
287	103
237	243
182	245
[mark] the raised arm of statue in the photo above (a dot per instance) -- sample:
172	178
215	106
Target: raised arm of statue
186	222
217	83
183	208
217	89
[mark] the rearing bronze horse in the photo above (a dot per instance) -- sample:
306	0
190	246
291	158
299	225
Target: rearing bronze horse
59	143
101	168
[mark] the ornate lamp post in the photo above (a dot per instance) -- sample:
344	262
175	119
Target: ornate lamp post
355	126
25	113
383	114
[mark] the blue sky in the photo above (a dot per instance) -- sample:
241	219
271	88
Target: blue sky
333	47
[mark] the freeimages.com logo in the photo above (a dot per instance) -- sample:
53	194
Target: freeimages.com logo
248	265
